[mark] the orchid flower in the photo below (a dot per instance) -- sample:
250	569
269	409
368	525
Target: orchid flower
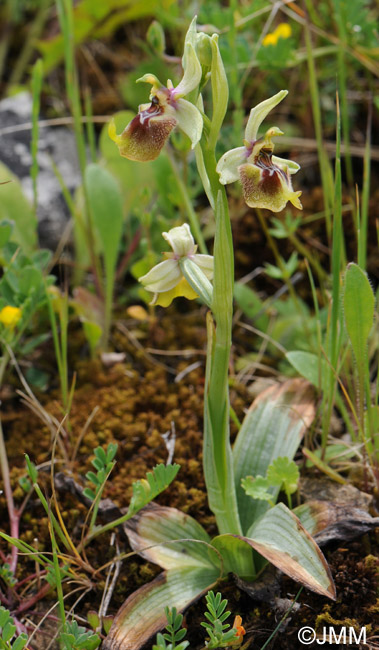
144	137
265	178
183	273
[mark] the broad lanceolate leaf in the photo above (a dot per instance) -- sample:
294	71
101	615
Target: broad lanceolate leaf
273	427
359	303
106	208
282	540
154	526
142	615
308	365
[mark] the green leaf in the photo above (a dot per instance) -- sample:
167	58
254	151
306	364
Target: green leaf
284	471
90	494
359	305
142	615
251	305
93	333
257	488
20	642
282	540
237	557
310	366
6	228
145	490
323	466
14	206
155	526
273	427
106	207
4	616
8	630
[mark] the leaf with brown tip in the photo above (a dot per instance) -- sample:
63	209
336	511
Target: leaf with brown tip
281	538
170	538
142	615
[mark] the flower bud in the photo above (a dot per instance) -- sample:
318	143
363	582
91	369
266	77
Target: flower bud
204	49
156	38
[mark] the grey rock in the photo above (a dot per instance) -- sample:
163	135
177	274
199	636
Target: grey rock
55	144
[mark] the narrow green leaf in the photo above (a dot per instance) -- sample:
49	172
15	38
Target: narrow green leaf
323	466
359	305
37	78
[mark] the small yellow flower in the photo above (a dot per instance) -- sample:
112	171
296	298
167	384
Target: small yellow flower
9	316
282	31
270	39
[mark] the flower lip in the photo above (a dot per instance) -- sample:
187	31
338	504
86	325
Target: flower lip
145	135
265	178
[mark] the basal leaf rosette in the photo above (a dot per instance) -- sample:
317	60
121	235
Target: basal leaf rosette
265	178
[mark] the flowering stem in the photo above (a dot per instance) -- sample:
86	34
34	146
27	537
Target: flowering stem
192	216
217	454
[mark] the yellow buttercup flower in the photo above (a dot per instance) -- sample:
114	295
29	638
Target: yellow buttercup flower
282	31
9	316
270	39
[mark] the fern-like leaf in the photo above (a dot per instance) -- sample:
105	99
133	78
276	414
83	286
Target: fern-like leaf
146	489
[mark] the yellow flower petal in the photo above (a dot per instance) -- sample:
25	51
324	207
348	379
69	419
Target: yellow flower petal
9	316
270	39
182	289
283	30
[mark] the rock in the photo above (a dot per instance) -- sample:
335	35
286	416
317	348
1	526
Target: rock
55	143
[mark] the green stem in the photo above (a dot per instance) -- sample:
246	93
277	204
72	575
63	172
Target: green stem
192	216
217	454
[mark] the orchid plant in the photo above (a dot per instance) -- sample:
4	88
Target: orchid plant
251	531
